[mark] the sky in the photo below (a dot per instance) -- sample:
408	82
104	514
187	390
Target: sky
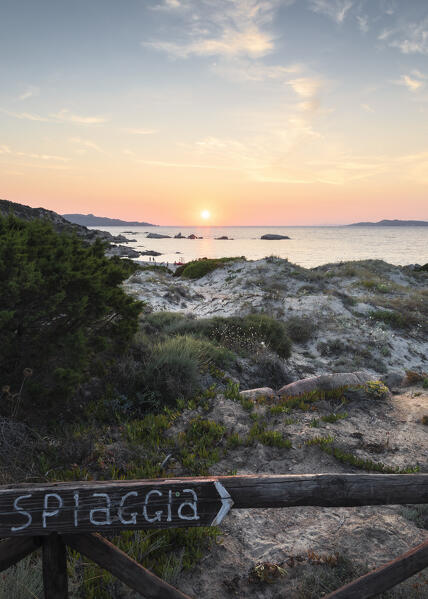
253	112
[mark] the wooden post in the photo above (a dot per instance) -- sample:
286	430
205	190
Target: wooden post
15	549
54	567
111	558
386	576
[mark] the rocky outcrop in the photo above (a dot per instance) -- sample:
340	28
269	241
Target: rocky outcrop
223	237
179	236
122	251
59	223
158	236
325	382
257	393
273	237
150	253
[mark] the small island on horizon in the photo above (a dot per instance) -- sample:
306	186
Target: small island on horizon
90	220
392	223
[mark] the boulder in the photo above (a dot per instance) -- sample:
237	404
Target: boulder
150	253
157	236
257	393
326	382
273	237
179	236
223	237
122	252
393	379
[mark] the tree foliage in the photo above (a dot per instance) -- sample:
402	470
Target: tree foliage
61	308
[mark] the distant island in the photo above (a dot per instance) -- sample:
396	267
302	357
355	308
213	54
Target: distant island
89	220
392	223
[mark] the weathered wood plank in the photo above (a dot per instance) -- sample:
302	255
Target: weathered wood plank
386	576
326	490
15	549
117	505
111	506
109	557
54	567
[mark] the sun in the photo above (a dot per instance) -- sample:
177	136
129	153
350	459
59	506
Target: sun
205	214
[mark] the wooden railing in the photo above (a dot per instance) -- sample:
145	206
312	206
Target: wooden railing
59	514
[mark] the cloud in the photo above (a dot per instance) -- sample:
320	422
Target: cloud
133	131
65	116
409	38
25	115
29	92
42	158
228	28
250	70
85	143
305	87
367	107
411	83
363	23
334	9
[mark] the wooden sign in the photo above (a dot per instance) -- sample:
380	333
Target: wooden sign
111	506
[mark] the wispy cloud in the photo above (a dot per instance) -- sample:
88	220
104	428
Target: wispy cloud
28	116
334	9
29	92
250	70
227	28
41	159
409	38
305	87
85	144
367	107
65	116
363	23
133	131
411	83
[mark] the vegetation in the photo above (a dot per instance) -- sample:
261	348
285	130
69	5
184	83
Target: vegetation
300	329
199	268
62	312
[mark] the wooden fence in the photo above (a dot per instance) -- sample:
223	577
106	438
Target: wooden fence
54	515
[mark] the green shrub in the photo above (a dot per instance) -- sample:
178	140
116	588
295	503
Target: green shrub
173	368
300	329
199	268
62	310
376	390
394	319
248	333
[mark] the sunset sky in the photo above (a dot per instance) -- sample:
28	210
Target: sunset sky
270	112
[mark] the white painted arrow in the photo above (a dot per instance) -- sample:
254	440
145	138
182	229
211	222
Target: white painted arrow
226	503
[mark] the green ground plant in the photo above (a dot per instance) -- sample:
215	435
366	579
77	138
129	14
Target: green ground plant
199	268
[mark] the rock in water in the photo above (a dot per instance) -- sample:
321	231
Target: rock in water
273	237
157	236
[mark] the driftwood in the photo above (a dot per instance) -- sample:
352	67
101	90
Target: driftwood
106	555
386	576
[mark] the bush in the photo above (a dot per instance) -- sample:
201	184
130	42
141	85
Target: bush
152	376
61	309
376	390
199	268
248	333
394	319
300	329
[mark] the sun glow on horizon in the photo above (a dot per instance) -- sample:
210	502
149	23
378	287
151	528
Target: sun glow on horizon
205	214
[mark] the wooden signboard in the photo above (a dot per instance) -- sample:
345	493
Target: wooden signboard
111	506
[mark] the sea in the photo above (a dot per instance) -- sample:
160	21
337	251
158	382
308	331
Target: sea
307	246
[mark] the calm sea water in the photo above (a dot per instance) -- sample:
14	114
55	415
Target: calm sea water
308	246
